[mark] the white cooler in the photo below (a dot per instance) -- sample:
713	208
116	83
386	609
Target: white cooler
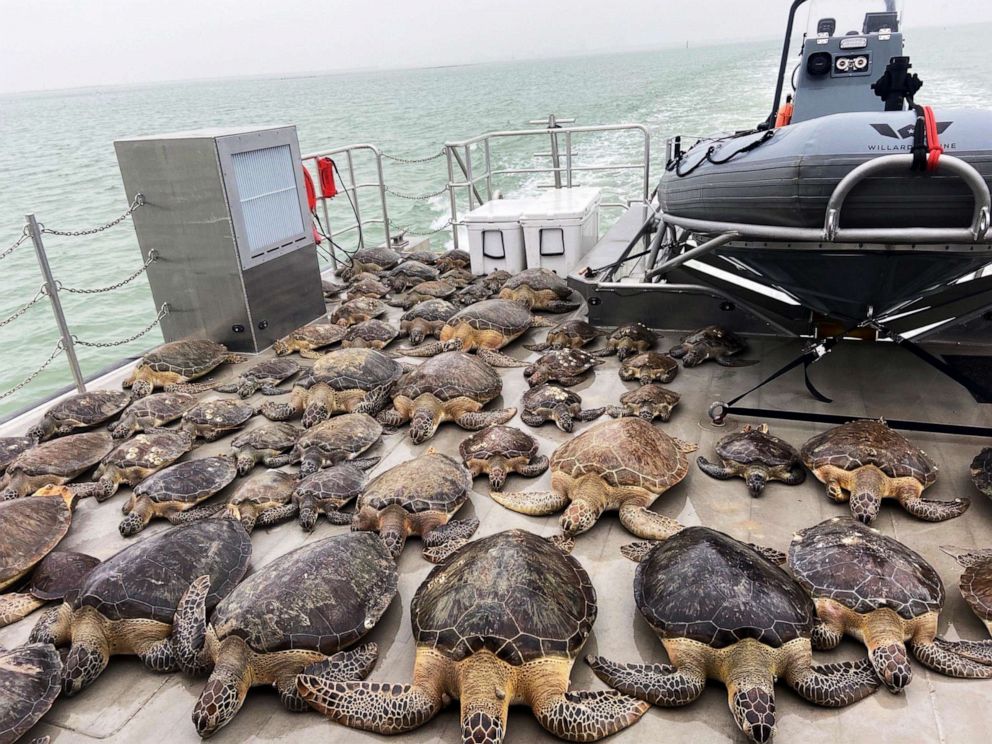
495	238
560	227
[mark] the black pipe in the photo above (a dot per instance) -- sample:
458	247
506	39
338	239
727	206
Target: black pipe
783	64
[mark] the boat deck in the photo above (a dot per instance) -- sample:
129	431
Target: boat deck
130	704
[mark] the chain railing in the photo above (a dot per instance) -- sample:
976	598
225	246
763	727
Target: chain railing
138	201
59	348
152	257
162	312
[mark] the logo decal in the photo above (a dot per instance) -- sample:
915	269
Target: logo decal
907	131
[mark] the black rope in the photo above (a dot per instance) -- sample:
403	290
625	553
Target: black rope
708	157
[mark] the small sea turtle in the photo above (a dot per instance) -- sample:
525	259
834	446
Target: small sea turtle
567	367
330	289
425	319
263	377
335	440
135	459
547	402
711	342
152	412
264	444
29	685
261	501
126	604
357	310
453	259
172	493
628	340
425	257
57	462
173	366
57	574
494	280
437	289
453	386
346	380
77	412
329	490
418	497
539	289
459	278
648	367
572	334
297	614
624	465
865	461
371	259
409	274
723	611
471	294
500	623
11	448
499	451
368	286
370	334
212	419
756	456
309	339
976	588
877	590
981	471
648	401
486	327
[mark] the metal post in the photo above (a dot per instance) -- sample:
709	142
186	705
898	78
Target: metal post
51	290
452	197
555	156
489	169
382	196
468	177
330	233
354	195
568	158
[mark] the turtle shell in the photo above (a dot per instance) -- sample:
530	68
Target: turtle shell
88	409
276	436
30	680
367	286
64	456
274	370
471	294
412	272
976	588
338	483
539	279
384	258
624	452
437	288
577	329
494	280
59	573
321	597
188	358
513	594
648	360
150	450
220	412
564	362
634	331
371	330
269	486
981	471
753	445
317	335
454	259
546	396
706	586
859	567
431	482
458	277
349	433
650	395
433	310
868	442
359	306
425	257
505	316
29	529
356	369
161	407
189	482
147	579
12	447
451	375
712	337
498	441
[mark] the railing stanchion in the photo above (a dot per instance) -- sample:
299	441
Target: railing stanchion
452	197
354	194
382	196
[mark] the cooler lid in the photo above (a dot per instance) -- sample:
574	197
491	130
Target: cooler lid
499	210
564	204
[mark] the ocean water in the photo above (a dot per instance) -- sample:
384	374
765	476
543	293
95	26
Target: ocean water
57	158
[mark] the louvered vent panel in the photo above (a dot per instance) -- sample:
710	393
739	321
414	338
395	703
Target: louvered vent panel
266	181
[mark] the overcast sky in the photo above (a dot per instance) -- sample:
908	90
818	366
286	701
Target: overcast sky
51	44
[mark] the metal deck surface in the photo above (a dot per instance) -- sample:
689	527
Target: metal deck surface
130	704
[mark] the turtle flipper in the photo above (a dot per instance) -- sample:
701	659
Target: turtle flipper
535	467
589	414
720	472
824	637
769	554
967	557
195	515
370	706
932	510
391	418
534	503
638	551
835	685
374	401
980	651
277	461
278	411
588	715
365	463
442	541
54	626
272	390
191	388
658	684
495	358
796	475
189	628
540	347
15	606
532	419
230	387
947	658
560	306
644	523
537	321
344	666
616	411
276	515
335	516
729	361
428	350
476	420
232	358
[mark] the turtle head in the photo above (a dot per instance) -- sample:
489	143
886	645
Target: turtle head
497	473
867	490
756	476
393	529
754	710
247	387
424	423
140	387
307	514
417	333
125	427
310	463
562	416
625	349
315	412
42	430
89	654
136	519
281	347
246	462
693	356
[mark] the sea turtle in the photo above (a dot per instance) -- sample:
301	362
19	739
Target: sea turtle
623	464
409	274
876	589
425	319
567	367
981	471
57	574
297	614
499	451
77	412
471	294
328	490
648	401
486	327
453	386
756	456
264	444
346	380
425	257
572	334
539	289
494	280
371	259
263	377
418	497
330	289
212	419
172	493
356	310
335	440
628	340
11	448
453	259
309	339
261	501
437	289
547	402
498	624
126	604
152	412
29	684
724	612
370	334
865	461
711	342
648	367
459	278
173	366
976	588
135	459
57	462
368	286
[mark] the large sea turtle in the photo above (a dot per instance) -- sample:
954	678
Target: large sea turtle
981	471
724	612
152	412
418	497
57	574
126	604
375	260
358	310
711	342
499	451
451	387
409	274
453	259
628	340
471	294
370	334
648	401
211	419
261	501
865	461
57	462
11	448
874	588
29	684
547	402
437	289
265	444
366	286
565	366
425	319
624	464
498	624
77	412
310	339
173	366
135	459
263	377
976	588
327	491
297	614
572	334
539	289
334	441
648	367
756	456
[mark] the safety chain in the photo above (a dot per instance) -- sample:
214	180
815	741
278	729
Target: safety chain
163	311
24	308
152	257
416	234
414	161
24	236
416	197
139	200
27	380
